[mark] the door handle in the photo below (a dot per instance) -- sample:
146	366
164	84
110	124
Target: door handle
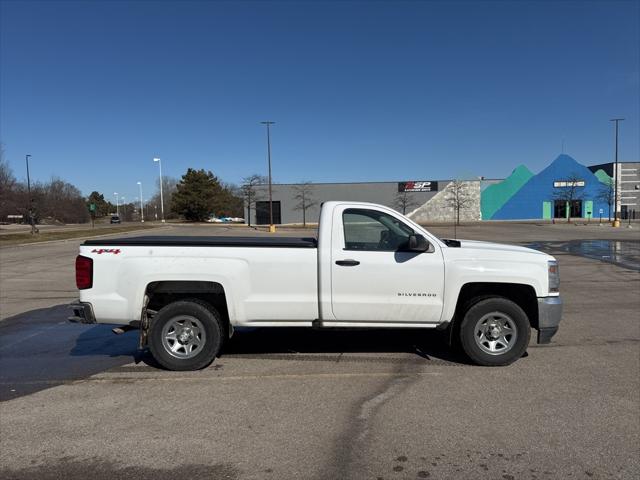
347	263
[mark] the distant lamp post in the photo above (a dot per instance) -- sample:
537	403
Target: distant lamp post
616	221
30	199
141	206
272	227
124	208
117	204
161	197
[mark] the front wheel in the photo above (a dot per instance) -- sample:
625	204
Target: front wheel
495	332
186	335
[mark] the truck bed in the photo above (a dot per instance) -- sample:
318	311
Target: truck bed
202	241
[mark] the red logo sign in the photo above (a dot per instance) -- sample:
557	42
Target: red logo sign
418	186
99	251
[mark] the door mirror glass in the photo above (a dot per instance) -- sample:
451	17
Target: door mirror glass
417	243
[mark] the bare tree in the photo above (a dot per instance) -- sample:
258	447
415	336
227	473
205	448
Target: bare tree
128	210
8	188
249	192
404	201
304	195
570	190
606	193
60	202
458	197
169	187
7	179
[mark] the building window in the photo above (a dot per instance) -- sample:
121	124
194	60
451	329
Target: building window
560	209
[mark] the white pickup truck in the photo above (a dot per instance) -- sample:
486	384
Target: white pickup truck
370	267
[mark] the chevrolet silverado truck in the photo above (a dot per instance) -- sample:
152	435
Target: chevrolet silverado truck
369	267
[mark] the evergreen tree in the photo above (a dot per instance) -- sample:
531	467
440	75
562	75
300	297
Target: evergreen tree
103	207
198	195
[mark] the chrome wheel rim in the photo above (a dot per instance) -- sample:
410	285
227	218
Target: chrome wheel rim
496	333
183	336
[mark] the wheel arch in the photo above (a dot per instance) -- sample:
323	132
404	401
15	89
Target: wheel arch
522	295
162	292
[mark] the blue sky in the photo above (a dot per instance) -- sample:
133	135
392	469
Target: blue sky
360	91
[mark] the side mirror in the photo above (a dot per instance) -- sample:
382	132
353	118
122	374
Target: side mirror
417	243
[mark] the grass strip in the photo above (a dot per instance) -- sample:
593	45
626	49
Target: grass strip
21	238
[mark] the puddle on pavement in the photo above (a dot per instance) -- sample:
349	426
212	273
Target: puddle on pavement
623	253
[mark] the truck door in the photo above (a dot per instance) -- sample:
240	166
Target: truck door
373	279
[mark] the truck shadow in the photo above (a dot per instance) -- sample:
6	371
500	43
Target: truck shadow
279	342
100	341
40	349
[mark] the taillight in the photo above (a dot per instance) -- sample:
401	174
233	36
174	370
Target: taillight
84	272
554	276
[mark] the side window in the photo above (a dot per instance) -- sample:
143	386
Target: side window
373	231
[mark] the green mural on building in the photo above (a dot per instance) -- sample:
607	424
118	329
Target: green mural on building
495	196
603	177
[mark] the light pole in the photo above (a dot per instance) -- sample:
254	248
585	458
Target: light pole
141	206
117	204
161	198
616	222
30	200
272	227
124	208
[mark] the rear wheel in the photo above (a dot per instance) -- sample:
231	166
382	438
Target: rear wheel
186	335
495	331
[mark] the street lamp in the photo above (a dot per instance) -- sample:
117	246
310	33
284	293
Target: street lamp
161	198
30	200
124	208
141	206
272	227
616	222
117	204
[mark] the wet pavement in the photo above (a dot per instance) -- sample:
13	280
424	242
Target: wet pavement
41	349
624	253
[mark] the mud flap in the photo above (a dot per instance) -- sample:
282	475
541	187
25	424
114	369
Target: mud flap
145	322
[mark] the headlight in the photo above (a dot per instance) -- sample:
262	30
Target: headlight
554	276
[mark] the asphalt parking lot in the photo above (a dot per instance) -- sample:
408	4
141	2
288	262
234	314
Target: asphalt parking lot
79	402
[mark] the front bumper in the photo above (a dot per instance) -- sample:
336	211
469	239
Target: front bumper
82	312
549	315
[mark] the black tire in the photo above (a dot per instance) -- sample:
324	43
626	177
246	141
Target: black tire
479	315
205	353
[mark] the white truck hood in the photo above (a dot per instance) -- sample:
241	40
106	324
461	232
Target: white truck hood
478	245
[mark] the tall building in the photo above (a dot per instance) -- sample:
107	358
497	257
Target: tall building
628	177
